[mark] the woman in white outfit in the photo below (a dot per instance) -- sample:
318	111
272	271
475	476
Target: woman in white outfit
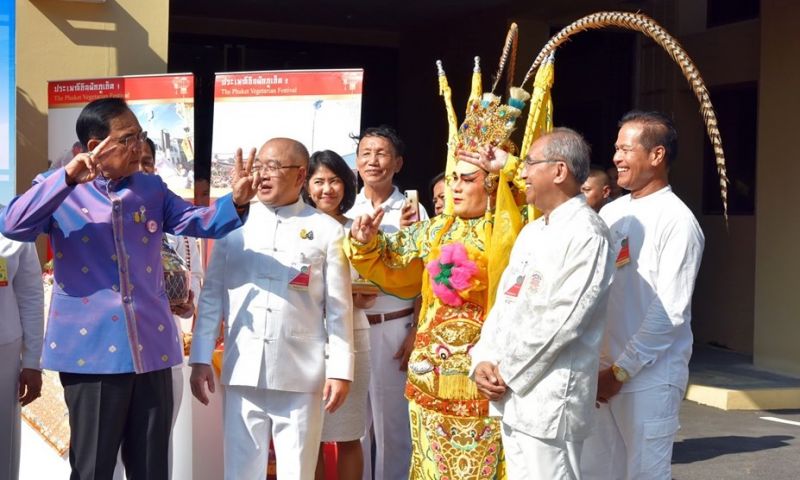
331	188
21	329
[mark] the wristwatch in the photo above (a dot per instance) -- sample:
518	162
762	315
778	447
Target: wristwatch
620	373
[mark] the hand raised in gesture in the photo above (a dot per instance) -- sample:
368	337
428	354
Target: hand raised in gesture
84	166
244	181
365	227
489	158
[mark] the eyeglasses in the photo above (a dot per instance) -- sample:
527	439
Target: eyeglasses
531	162
271	167
131	140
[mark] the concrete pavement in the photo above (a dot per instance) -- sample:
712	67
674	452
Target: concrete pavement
733	445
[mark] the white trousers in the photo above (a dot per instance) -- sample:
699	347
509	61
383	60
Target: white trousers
252	416
633	436
531	458
387	409
9	409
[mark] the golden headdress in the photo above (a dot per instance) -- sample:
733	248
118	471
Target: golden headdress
488	121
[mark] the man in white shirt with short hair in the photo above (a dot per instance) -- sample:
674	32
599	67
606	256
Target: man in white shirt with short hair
379	157
644	363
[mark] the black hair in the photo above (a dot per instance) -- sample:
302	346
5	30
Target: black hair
152	146
598	171
94	120
657	130
336	164
386	132
438	178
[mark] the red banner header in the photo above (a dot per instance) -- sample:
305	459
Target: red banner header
288	83
132	89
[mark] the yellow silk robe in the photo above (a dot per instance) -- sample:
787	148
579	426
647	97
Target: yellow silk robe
452	436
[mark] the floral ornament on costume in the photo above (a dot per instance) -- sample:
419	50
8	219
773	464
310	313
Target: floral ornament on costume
453	274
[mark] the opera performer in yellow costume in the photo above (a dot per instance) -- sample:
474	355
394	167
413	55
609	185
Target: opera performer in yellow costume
454	260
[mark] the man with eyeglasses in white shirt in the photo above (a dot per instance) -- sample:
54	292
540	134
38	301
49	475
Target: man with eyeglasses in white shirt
282	284
536	360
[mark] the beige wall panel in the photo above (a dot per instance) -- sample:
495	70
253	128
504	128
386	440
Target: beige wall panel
724	295
59	40
777	291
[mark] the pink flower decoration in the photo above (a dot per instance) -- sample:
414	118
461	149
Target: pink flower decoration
447	296
452	274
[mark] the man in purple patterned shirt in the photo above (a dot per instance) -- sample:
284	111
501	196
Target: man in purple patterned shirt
110	332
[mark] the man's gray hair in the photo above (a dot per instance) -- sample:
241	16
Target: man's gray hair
568	146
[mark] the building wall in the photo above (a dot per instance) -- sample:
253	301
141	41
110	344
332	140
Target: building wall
58	40
724	296
777	328
723	306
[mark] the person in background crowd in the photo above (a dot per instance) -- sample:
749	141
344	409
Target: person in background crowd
331	188
597	188
66	156
21	328
437	193
187	248
616	189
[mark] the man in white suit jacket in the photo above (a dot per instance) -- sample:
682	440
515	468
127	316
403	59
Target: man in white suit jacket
282	285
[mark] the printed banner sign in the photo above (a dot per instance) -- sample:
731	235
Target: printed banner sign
319	108
163	104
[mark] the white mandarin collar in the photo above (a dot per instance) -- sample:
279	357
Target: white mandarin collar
395	201
285	211
564	211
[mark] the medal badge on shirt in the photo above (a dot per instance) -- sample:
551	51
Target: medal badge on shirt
534	283
3	272
624	256
513	290
302	279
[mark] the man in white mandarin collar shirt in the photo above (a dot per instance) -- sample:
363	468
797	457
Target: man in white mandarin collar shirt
282	285
537	356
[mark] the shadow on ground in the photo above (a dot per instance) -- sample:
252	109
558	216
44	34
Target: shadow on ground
698	449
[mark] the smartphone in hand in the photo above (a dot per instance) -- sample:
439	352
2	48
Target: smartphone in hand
412	198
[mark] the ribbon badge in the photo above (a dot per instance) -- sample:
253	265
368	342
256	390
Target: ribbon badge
140	217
